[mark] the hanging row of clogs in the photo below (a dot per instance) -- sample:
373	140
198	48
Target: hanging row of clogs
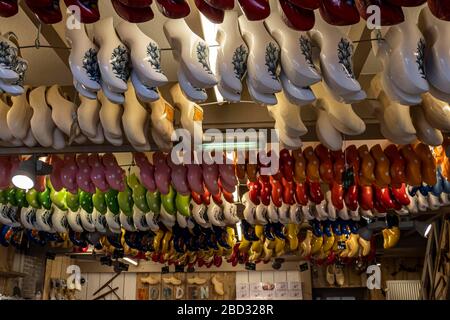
315	184
297	14
47	117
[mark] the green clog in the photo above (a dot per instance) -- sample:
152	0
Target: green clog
98	198
32	198
73	201
3	198
21	197
183	204
11	196
125	199
111	201
168	201
44	199
59	198
153	201
86	201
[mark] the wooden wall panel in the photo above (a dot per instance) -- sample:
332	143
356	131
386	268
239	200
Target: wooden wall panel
397	269
129	286
93	283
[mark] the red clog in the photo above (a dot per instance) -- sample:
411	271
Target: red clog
213	14
132	14
301	194
49	14
339	12
288	191
277	191
295	17
306	4
406	3
440	9
8	8
337	196
351	197
173	9
255	10
88	9
366	197
137	3
221	4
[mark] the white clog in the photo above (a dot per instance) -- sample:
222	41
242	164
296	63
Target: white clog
134	118
191	51
145	54
59	220
8	58
259	97
127	222
110	116
284	213
152	220
249	210
328	135
193	93
402	53
63	110
232	54
88	116
99	221
437	112
394	118
263	59
83	59
44	220
143	92
227	94
425	132
287	115
162	117
29	140
5	133
296	54
191	113
42	124
113	56
113	222
14	90
84	91
336	52
331	210
27	215
290	142
342	116
19	115
111	95
437	50
296	95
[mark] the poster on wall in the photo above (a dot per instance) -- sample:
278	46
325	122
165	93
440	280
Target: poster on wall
269	291
242	291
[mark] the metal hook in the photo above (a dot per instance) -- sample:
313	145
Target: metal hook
11	34
37	42
378	35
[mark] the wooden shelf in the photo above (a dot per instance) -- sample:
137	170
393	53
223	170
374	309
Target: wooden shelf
12	274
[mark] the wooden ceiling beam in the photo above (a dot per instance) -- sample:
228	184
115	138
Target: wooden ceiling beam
50	34
362	48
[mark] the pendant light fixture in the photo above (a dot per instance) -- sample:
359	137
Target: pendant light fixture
25	175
